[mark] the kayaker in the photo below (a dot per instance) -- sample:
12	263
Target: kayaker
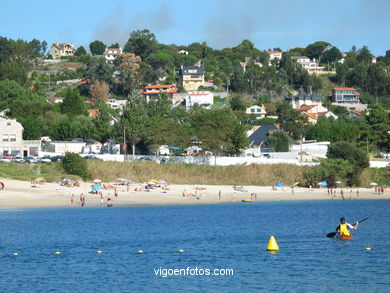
343	227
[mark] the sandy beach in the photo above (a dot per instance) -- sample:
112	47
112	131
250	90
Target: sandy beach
24	194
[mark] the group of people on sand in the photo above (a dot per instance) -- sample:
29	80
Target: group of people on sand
332	191
379	189
83	201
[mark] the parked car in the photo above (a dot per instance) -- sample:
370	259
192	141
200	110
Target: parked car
5	159
44	159
30	160
92	157
57	158
17	159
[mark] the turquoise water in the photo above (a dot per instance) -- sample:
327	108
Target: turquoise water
231	236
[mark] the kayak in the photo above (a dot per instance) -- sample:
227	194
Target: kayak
344	237
247	200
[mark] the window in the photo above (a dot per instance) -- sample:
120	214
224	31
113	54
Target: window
5	137
258	110
252	110
12	137
8	123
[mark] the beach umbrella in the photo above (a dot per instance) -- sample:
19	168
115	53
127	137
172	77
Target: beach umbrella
151	183
96	187
296	183
373	184
338	182
97	181
323	183
278	184
39	179
153	180
162	181
121	179
66	180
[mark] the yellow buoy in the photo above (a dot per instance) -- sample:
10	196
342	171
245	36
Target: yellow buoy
15	254
368	248
99	251
140	251
181	250
272	244
57	252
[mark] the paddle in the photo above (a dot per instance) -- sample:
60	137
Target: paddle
332	234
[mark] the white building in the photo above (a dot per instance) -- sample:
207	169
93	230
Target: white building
310	66
116	104
274	55
110	54
62	147
304	99
199	97
11	135
259	111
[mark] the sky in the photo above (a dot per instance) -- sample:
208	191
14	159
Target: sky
267	23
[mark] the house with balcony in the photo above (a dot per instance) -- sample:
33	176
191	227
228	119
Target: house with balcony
110	54
347	95
259	111
58	50
191	77
311	66
152	91
304	99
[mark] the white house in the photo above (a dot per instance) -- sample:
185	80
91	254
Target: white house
183	52
311	67
259	111
116	104
199	97
274	55
304	99
110	54
11	135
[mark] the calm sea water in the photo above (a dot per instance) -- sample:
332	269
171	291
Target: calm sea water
232	236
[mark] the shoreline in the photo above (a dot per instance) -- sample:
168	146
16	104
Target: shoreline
23	194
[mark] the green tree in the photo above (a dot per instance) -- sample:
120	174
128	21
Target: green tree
331	55
356	157
13	71
97	47
142	43
236	104
98	69
134	119
238	139
114	46
278	141
74	164
64	130
332	170
73	104
291	121
80	51
316	49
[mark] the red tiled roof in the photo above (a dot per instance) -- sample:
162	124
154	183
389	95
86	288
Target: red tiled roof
159	86
344	89
93	112
169	91
305	108
270	52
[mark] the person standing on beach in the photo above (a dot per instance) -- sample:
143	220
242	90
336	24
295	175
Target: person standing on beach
357	193
72	200
101	200
220	195
82	199
234	196
116	193
342	194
